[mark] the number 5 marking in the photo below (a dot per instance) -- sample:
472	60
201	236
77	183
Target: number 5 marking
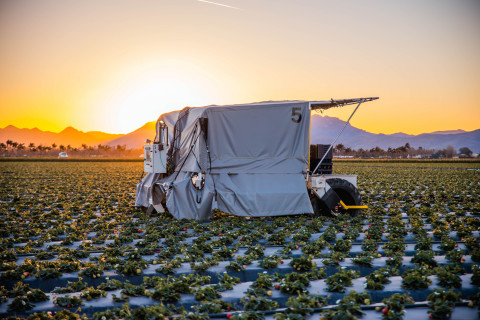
296	115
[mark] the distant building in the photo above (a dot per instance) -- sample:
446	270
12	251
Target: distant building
63	155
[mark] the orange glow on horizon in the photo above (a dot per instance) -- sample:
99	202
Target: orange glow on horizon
114	65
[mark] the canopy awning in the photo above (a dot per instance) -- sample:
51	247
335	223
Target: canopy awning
324	105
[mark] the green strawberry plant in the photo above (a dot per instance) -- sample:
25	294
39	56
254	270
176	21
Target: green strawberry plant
303	263
424	258
253	303
213	306
294	283
349	307
442	303
270	262
68	301
20	304
447	279
395	306
207	293
379	278
340	280
416	279
475	275
301	306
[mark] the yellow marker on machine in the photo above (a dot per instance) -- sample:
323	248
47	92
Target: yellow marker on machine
352	207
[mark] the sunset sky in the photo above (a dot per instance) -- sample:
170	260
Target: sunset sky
112	65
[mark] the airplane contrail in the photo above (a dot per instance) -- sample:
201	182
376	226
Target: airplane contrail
219	4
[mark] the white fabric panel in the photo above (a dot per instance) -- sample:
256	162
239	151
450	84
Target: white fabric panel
143	194
259	154
259	138
184	201
256	195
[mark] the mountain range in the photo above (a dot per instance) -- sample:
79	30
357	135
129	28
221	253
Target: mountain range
323	130
68	136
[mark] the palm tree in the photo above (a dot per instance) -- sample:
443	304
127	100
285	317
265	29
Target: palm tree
84	148
339	147
3	146
104	147
14	145
376	152
54	145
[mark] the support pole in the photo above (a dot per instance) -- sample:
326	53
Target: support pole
338	135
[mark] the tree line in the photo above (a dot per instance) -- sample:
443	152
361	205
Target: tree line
13	148
405	151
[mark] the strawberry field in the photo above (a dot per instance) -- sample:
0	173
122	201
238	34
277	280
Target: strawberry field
73	246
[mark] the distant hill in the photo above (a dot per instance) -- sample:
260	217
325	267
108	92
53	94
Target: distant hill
68	136
324	129
136	139
450	131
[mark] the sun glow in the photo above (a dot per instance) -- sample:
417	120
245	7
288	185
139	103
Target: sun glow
114	65
145	93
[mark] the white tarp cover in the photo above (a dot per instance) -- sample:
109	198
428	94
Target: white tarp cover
258	157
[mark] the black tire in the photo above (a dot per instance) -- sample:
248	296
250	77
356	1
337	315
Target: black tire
319	207
348	193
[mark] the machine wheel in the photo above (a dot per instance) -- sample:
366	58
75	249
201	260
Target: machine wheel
319	207
348	193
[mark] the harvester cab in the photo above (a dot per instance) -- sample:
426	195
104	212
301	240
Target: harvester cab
229	158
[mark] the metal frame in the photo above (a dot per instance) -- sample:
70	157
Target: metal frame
324	105
351	207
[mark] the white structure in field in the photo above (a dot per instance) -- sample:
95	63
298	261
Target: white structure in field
154	158
247	160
